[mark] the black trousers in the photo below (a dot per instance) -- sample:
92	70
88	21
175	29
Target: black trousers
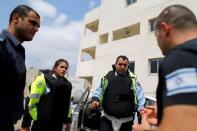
6	126
106	125
26	120
47	126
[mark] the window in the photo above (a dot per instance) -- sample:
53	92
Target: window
132	66
129	2
152	24
88	53
127	31
91	27
104	38
154	65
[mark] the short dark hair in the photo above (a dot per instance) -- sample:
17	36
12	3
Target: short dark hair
179	16
22	11
57	62
123	57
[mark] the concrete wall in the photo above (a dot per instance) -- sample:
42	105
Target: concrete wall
114	15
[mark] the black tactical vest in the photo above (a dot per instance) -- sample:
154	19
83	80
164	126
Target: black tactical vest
118	97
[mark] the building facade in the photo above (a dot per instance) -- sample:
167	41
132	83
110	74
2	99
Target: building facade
123	27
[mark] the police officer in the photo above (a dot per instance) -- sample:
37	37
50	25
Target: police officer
176	33
23	24
120	95
50	99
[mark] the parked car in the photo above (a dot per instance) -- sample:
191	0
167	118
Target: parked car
150	100
78	114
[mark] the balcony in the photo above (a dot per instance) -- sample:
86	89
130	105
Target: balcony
89	40
125	32
85	68
92	15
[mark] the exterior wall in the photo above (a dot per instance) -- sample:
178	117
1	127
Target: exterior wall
114	15
30	77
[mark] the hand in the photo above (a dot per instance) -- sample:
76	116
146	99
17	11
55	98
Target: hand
25	129
137	127
67	127
94	104
144	126
149	117
150	113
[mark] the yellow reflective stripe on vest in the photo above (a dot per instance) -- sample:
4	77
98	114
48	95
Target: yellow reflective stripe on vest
31	107
37	89
70	112
104	84
35	96
133	79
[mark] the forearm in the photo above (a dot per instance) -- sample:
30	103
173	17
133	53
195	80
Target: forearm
145	124
179	118
140	96
97	94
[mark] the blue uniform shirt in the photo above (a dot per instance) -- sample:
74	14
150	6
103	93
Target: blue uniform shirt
12	77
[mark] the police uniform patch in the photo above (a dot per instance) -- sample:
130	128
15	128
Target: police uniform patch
181	81
39	84
138	83
2	38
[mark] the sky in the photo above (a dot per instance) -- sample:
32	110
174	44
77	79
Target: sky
60	31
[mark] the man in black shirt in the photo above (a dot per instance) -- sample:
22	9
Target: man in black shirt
176	32
23	24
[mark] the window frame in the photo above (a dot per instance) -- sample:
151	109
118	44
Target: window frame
157	60
130	2
151	24
132	62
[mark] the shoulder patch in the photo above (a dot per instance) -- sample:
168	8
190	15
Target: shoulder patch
39	84
2	38
181	81
138	83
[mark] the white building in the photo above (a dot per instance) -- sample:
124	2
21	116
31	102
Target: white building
123	27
